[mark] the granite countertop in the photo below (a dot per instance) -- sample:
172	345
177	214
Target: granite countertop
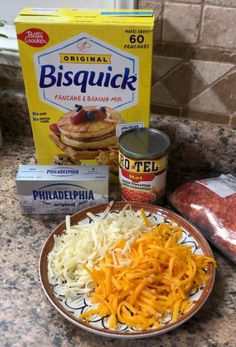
26	316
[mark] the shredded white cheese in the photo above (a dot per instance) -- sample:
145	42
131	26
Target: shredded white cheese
87	243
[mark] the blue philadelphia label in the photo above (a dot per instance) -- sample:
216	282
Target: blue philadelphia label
62	171
62	191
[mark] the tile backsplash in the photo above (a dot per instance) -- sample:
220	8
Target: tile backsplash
194	61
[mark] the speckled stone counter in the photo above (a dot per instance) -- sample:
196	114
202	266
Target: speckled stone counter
26	316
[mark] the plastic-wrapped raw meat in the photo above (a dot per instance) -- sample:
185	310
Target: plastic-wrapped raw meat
210	204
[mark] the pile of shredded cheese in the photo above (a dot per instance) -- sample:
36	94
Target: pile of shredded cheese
87	244
156	281
134	271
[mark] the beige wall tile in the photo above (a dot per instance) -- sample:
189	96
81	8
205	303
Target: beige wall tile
157	7
231	3
225	88
184	84
181	22
152	4
157	30
219	27
211	71
189	1
162	65
208	101
160	95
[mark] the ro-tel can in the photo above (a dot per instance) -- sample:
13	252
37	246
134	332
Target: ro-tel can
143	156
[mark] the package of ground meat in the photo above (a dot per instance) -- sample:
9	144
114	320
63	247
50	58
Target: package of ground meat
210	204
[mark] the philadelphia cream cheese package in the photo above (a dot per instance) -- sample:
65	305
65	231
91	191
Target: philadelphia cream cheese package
44	189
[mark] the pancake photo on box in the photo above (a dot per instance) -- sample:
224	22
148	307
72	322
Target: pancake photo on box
88	133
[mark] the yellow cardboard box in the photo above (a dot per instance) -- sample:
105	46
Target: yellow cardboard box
87	77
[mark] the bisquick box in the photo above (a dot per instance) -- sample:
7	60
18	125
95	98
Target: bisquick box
44	189
97	60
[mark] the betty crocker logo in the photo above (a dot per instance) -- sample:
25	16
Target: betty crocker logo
34	37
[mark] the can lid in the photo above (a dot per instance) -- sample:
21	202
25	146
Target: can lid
144	143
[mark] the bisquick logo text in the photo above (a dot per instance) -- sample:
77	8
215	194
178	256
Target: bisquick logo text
51	76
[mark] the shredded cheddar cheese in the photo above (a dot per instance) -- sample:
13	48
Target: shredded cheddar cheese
158	276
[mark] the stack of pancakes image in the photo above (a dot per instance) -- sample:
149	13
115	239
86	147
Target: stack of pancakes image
86	132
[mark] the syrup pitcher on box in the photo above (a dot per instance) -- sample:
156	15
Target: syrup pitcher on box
85	73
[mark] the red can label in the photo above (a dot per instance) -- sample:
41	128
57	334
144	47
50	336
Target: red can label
142	180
